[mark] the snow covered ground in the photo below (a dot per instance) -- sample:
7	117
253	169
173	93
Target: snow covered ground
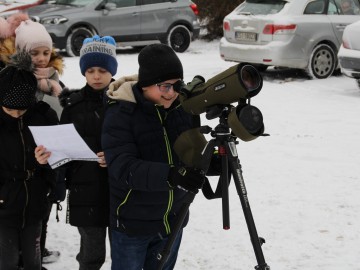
302	180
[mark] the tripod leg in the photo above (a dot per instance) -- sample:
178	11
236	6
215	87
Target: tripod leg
241	190
224	180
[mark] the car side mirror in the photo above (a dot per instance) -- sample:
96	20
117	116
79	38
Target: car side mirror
110	6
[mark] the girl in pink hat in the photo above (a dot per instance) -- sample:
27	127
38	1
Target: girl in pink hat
33	38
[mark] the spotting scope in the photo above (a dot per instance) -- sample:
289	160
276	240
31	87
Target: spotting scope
239	83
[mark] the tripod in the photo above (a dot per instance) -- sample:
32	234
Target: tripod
226	143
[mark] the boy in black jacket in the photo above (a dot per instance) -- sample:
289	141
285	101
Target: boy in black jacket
148	182
87	182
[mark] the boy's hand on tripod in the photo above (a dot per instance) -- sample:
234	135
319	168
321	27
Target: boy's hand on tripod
187	178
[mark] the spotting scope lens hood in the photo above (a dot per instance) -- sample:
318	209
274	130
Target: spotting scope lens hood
250	79
239	82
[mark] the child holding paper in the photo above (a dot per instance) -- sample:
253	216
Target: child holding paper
24	183
33	38
88	201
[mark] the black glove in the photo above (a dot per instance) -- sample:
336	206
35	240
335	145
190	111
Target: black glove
186	178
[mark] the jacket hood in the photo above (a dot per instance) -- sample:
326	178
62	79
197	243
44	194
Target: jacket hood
121	89
56	61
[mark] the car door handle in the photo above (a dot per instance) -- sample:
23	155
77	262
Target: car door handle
341	26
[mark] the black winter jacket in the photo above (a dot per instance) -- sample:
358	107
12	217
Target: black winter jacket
137	140
87	182
24	183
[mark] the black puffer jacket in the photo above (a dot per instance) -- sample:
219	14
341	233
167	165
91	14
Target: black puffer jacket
137	140
87	181
24	184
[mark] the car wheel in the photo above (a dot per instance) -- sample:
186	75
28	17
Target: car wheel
179	38
358	82
75	40
322	62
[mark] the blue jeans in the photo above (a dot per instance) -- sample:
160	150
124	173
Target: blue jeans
140	252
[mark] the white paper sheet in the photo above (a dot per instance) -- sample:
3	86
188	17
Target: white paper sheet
64	143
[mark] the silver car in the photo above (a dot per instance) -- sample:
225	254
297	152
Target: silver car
349	53
130	22
304	34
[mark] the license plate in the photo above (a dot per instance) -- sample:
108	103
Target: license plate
245	36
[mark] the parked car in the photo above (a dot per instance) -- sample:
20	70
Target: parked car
349	53
130	22
8	7
303	34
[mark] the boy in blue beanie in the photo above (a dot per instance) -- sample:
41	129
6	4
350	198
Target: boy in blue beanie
87	182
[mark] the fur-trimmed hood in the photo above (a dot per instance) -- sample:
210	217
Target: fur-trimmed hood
56	61
121	89
7	48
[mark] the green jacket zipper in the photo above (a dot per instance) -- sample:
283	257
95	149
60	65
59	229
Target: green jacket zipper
121	204
171	163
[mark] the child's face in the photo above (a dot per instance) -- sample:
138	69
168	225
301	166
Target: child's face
161	93
13	113
40	56
98	78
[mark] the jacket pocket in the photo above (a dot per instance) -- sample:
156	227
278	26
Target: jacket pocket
10	194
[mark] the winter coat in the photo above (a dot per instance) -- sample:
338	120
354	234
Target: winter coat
24	183
137	140
88	201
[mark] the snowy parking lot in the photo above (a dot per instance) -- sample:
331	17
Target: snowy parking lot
302	180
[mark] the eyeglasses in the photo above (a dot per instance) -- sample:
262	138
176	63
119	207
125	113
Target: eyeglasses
165	87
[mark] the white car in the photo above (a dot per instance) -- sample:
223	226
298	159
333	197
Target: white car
303	34
349	53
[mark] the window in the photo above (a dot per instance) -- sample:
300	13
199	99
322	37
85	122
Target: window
261	7
149	2
333	9
315	7
348	7
123	3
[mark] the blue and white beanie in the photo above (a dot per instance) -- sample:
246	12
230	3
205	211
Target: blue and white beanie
98	52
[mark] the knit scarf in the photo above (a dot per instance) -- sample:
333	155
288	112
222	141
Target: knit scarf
48	81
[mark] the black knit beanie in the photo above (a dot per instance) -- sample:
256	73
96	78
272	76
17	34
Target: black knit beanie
18	84
158	63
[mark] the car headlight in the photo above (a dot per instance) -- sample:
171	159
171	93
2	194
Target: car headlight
53	20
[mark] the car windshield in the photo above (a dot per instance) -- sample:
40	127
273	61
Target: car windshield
261	7
71	2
